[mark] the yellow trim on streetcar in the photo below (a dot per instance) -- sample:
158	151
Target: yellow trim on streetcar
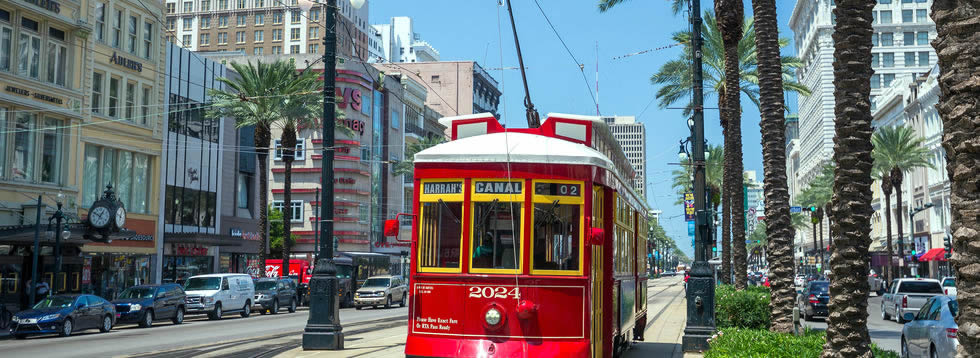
426	243
519	235
571	200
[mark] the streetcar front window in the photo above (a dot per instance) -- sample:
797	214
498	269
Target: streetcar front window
440	231
556	236
496	235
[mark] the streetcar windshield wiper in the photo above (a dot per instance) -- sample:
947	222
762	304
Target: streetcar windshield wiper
450	211
486	215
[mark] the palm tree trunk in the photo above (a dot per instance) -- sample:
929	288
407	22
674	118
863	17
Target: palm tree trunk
779	224
262	141
957	47
822	249
288	142
886	190
897	177
813	227
726	209
730	19
847	324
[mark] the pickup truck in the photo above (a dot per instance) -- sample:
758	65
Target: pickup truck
907	295
949	286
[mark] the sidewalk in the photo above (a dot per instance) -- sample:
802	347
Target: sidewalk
389	342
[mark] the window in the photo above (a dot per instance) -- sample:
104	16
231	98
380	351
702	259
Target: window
874	60
314	48
315	14
557	231
440	226
906	1
188	23
130	101
148	40
884	1
910	59
889	77
145	108
223	4
259	35
240	21
205	5
875	81
171	25
240	37
497	226
298	154
205	22
257	51
24	141
294	34
888	59
96	92
100	21
30	54
188	6
887	39
394	120
113	96
185	41
190	207
314	33
293	48
886	17
296	207
259	3
874	39
923	59
117	29
205	39
243	190
922	38
222	38
240	4
57	58
921	16
908	38
906	16
223	21
277	50
260	19
294	16
171	8
277	17
276	34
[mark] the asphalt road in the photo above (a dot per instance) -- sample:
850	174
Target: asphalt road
886	334
125	340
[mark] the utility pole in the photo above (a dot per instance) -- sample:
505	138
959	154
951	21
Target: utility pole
34	254
700	286
58	217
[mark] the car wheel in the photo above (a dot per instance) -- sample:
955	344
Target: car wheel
66	328
147	320
898	316
19	336
884	316
292	305
388	302
349	302
247	310
358	308
932	352
179	316
275	307
107	324
216	313
905	348
404	298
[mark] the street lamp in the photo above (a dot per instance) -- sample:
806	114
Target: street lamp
323	328
912	213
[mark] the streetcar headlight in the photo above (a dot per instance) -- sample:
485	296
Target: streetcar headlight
492	317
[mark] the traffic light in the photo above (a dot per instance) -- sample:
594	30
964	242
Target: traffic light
948	246
813	208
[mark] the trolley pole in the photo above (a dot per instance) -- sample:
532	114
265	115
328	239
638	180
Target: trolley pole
700	286
323	330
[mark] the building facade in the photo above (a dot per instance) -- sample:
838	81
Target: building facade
265	27
902	32
454	87
632	136
400	42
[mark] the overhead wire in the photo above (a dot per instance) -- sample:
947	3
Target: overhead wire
580	65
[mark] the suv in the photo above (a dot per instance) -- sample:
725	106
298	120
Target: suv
380	290
270	293
145	303
221	293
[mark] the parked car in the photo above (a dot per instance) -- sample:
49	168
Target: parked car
949	286
932	331
799	280
64	315
908	295
381	290
146	303
668	273
217	294
875	283
813	301
272	293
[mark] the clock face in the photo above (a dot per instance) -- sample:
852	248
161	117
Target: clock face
120	217
99	217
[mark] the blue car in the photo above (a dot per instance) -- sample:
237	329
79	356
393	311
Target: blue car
145	303
64	315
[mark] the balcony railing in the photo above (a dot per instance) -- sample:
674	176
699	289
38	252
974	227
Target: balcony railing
412	128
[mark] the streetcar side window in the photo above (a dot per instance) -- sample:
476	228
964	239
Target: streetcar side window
556	246
440	231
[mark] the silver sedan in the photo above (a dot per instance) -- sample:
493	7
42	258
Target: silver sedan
932	332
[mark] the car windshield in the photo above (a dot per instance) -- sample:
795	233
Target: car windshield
954	308
920	287
949	282
56	301
344	271
376	282
137	292
265	285
202	283
819	287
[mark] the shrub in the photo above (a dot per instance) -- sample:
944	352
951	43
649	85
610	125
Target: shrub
742	309
734	342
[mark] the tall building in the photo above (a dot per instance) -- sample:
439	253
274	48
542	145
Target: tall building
455	87
401	43
265	27
902	32
632	136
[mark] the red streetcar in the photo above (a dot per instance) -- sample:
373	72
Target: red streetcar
526	242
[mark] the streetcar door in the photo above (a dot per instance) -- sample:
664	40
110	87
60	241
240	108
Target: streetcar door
596	275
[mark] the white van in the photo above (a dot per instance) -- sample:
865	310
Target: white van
219	293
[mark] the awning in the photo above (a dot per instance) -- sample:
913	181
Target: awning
937	254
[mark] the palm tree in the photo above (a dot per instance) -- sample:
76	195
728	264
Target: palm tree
818	195
956	46
677	6
898	149
886	190
847	323
714	169
408	165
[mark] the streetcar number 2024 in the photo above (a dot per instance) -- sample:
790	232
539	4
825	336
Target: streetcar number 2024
494	292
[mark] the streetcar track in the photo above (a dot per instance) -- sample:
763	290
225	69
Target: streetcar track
654	319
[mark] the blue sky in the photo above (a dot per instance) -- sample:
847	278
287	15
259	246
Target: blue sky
480	30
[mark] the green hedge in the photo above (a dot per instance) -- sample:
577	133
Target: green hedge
734	342
742	309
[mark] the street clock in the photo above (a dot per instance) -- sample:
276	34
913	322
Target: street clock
107	214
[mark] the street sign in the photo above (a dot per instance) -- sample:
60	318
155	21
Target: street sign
796	209
689	207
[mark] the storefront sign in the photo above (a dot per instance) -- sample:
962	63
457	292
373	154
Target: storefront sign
353	124
344	181
35	95
52	6
341	211
344	150
251	236
498	187
87	271
188	250
442	188
140	237
350	96
125	62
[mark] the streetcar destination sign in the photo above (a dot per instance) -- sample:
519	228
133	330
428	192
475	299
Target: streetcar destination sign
454	187
498	187
557	189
